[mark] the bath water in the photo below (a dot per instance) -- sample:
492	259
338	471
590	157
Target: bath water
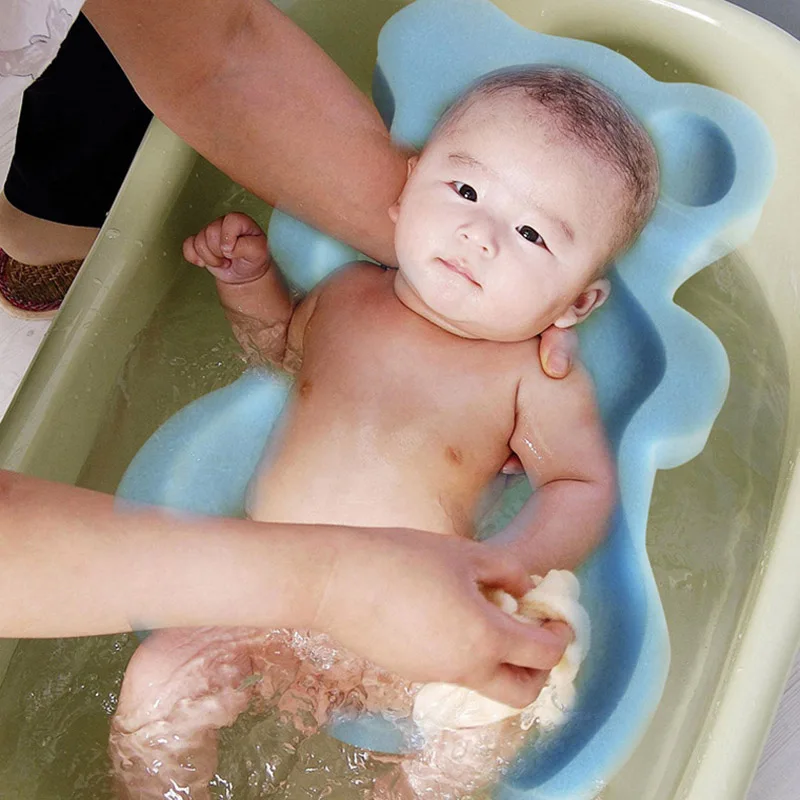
708	526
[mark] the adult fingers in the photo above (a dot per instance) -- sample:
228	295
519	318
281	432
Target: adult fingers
558	351
514	686
533	645
563	632
498	569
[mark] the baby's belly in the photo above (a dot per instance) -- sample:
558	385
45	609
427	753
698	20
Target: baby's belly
336	492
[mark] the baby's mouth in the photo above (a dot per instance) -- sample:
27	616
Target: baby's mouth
457	266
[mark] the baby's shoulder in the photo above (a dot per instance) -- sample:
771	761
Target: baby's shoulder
356	271
353	279
525	360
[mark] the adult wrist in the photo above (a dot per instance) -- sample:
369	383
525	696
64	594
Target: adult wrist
230	572
285	570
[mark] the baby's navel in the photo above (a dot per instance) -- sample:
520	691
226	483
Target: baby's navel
304	389
453	455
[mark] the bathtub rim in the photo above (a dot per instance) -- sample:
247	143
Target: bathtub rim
726	748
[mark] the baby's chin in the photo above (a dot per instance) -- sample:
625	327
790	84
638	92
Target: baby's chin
413	300
408	295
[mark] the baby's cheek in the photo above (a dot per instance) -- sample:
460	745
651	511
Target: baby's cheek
406	246
517	295
524	314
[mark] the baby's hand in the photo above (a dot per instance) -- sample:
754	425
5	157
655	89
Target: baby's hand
232	248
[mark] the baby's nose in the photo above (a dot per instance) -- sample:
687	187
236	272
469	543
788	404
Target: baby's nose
480	235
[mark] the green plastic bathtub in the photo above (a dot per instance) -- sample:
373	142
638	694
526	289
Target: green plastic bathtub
140	335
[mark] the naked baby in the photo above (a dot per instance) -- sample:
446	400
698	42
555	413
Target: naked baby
413	387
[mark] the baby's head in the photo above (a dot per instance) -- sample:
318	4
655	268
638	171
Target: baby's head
528	187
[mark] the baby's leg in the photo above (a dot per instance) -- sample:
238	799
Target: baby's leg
453	764
332	683
331	680
180	687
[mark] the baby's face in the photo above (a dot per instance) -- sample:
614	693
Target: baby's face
502	223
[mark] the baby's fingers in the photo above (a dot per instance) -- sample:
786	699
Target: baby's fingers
190	254
251	250
233	226
198	250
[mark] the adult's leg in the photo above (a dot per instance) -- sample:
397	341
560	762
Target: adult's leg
80	125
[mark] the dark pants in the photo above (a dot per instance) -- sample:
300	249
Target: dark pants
80	126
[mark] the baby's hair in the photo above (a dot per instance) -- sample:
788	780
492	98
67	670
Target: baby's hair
591	115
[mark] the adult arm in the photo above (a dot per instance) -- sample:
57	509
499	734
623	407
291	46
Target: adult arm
247	88
560	441
73	564
252	92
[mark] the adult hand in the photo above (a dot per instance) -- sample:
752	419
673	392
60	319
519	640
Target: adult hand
558	351
412	602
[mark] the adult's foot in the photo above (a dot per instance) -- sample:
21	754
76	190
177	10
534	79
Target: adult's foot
30	292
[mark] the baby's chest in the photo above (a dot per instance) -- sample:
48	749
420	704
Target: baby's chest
437	390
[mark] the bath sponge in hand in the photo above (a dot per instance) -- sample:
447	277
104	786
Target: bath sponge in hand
445	706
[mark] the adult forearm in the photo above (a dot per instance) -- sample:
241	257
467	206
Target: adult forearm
73	564
255	95
70	564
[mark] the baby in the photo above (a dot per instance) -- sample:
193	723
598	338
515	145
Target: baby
413	388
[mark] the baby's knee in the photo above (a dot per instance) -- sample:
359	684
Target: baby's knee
455	764
201	671
179	688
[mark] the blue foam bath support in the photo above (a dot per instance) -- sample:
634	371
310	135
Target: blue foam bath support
661	375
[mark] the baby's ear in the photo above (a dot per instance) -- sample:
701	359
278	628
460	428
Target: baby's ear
394	208
592	297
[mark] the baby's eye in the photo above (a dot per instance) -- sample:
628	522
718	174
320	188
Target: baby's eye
466	191
530	234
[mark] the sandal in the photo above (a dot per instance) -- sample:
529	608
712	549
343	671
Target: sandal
30	292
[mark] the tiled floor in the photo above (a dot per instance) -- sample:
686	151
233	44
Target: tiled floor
18	343
778	776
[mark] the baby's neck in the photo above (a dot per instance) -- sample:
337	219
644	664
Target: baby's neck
407	295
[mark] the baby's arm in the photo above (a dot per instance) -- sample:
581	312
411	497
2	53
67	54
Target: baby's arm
559	438
252	291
